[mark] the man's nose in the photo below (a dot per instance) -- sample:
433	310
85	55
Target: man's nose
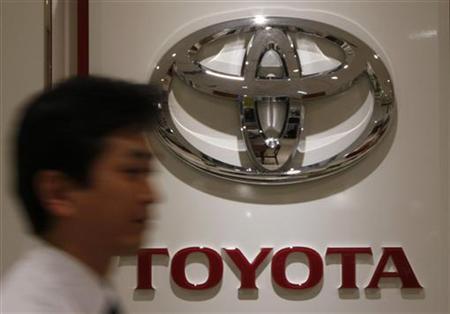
149	193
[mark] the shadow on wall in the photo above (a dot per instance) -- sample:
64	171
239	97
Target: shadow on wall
284	194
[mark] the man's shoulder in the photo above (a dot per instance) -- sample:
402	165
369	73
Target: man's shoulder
46	281
28	287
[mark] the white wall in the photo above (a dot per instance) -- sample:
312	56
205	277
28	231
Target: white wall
22	74
396	197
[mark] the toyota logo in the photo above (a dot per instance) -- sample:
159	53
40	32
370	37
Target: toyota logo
274	70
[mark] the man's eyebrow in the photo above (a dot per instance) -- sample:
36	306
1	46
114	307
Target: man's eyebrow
140	154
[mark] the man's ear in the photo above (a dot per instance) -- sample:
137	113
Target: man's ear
53	191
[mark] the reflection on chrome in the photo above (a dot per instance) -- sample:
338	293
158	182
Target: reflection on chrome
279	67
259	20
228	77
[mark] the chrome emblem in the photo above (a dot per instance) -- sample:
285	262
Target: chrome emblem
269	68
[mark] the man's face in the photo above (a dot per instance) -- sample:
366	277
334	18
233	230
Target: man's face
112	210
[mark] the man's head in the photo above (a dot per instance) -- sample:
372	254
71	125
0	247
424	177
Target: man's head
83	160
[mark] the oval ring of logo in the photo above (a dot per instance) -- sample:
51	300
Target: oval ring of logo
276	68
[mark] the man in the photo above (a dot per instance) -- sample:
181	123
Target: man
83	163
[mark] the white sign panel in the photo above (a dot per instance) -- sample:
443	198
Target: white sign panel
395	198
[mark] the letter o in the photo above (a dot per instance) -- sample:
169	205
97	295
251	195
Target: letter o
279	268
215	269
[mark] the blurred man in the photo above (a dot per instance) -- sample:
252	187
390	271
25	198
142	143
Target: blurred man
83	163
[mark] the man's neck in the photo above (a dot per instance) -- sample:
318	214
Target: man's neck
91	256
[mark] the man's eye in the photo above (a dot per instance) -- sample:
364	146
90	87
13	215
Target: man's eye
137	172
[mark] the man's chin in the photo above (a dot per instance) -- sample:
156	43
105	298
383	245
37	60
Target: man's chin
129	248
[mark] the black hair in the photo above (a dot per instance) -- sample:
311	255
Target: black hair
63	129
